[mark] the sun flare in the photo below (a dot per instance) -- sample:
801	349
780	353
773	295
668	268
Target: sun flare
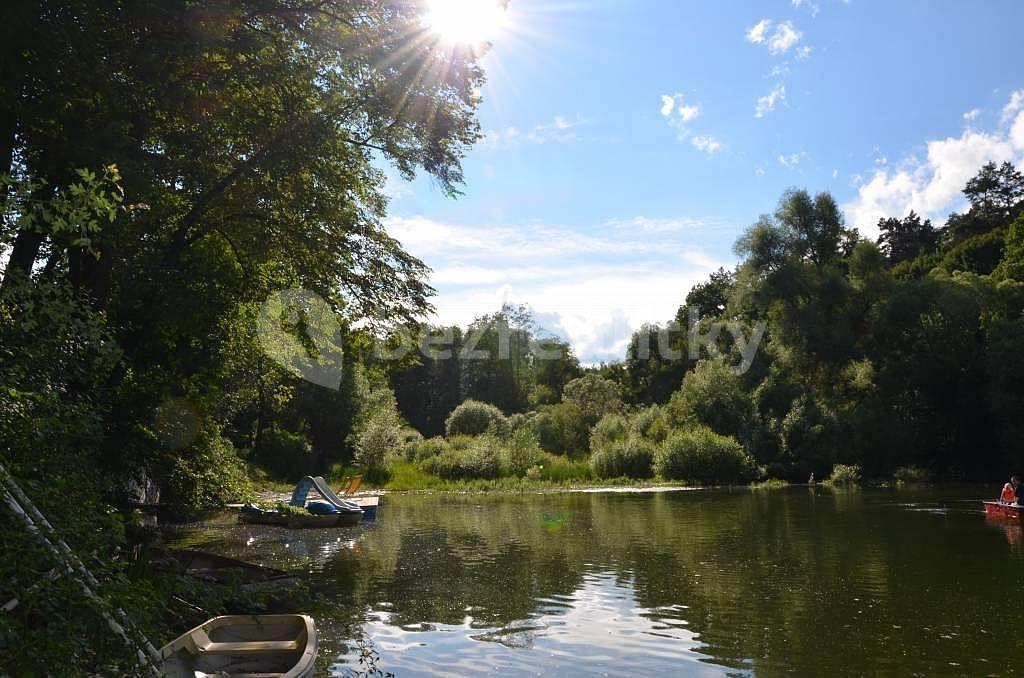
465	21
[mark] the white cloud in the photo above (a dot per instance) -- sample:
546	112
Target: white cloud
1014	105
756	33
804	52
932	187
972	115
793	159
778	41
812	6
560	130
592	286
784	37
676	103
835	174
706	143
767	103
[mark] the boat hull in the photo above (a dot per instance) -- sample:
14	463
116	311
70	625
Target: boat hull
220	569
282	646
298	522
996	509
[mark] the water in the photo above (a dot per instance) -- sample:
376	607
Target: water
814	582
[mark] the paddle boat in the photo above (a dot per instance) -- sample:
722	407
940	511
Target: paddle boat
998	509
281	645
332	511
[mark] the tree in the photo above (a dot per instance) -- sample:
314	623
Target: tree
906	239
594	395
709	298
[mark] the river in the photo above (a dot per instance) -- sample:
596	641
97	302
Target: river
704	582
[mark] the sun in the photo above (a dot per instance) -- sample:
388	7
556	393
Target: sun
465	21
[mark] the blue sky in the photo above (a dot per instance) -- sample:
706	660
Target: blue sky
628	144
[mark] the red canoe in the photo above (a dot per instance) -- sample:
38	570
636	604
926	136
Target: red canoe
998	509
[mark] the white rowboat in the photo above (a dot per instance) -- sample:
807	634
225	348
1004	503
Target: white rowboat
270	645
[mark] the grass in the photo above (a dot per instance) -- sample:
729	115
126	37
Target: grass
555	473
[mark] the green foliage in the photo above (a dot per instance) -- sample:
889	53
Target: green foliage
562	429
379	442
651	423
288	455
844	475
610	428
475	418
714	396
520	453
631	457
206	476
554	469
700	455
911	474
431	447
594	395
481	459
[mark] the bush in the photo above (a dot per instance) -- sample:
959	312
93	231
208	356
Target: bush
562	429
594	395
424	449
650	423
379	441
520	453
556	469
712	395
480	460
911	474
845	475
701	455
611	428
285	454
475	418
631	458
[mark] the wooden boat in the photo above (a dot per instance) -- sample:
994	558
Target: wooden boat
282	645
301	521
220	569
997	509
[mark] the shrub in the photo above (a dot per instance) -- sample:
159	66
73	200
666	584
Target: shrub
378	442
410	437
480	460
424	449
475	418
520	453
562	429
845	475
650	423
207	475
555	469
713	395
610	428
631	458
701	455
594	395
285	454
911	474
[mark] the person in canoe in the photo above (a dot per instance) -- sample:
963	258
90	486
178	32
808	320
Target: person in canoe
1012	491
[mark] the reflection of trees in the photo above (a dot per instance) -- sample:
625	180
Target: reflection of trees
774	581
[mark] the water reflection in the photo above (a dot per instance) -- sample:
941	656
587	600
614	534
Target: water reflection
690	583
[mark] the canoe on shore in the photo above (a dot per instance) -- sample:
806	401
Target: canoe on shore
220	569
280	645
997	509
301	521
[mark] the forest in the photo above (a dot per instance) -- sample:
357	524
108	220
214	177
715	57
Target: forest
171	166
